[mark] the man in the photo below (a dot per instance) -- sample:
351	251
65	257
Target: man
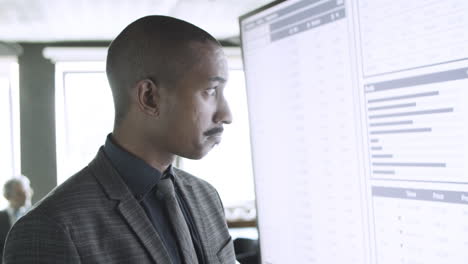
129	205
18	193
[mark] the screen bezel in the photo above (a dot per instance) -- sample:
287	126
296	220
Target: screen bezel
241	19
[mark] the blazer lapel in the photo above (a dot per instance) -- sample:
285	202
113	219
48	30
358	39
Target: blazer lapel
141	225
129	208
194	206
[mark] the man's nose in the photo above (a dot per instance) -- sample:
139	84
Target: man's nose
223	115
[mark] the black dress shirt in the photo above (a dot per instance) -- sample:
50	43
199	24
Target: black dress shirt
142	180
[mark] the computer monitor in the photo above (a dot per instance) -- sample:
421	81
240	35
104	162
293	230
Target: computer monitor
359	130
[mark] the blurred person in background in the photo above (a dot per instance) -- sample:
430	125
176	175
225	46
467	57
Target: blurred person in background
18	193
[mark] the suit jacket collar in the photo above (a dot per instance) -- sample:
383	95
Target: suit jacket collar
138	175
193	203
128	206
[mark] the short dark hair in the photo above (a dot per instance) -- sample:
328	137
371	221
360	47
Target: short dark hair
152	47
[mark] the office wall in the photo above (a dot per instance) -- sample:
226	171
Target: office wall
37	123
37	115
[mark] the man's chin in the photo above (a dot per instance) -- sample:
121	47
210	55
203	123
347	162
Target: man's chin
202	149
202	153
196	155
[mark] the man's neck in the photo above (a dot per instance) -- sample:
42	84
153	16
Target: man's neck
14	208
157	160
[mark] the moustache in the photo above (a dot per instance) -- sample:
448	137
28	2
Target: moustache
214	131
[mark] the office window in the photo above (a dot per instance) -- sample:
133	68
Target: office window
84	114
9	119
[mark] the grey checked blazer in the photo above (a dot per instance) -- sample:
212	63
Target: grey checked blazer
94	218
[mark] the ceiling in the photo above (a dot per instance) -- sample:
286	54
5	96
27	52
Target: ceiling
101	20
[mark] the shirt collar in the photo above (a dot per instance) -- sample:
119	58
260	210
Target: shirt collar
14	215
139	176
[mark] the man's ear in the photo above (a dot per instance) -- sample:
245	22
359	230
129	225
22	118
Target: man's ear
148	97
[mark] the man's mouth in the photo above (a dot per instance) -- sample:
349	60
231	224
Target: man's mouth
217	131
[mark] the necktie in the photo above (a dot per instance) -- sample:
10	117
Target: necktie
166	189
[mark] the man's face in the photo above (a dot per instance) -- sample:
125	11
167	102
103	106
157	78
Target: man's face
21	196
193	112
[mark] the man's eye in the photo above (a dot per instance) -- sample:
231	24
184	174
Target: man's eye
211	91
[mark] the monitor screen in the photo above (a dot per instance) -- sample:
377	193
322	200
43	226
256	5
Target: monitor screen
359	130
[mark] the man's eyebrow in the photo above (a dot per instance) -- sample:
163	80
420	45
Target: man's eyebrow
217	79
